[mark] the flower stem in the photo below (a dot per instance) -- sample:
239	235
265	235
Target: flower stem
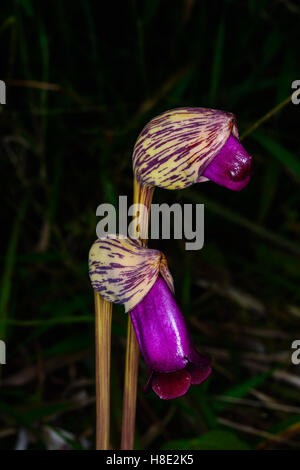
130	388
141	195
103	314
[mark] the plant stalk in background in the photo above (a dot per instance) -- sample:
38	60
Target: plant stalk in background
174	150
141	195
103	314
127	273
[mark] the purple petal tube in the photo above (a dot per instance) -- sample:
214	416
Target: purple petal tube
231	167
166	344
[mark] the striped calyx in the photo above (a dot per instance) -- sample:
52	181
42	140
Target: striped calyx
123	271
174	148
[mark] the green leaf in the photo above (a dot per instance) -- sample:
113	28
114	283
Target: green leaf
217	63
241	390
234	217
279	152
75	445
26	4
9	265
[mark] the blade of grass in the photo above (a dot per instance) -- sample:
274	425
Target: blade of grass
9	265
217	64
280	153
267	116
260	231
241	390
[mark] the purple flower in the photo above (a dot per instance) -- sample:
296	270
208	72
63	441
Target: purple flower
166	344
184	146
231	167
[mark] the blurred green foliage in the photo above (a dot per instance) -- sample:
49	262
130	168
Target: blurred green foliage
82	80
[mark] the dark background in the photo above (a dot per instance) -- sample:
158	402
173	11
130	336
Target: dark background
82	81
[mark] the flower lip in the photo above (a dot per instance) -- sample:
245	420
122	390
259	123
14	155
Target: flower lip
241	169
171	385
231	167
175	384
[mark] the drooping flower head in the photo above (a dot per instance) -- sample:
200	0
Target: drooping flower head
189	145
124	272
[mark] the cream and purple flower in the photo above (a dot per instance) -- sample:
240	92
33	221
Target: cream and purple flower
189	145
175	150
124	272
166	344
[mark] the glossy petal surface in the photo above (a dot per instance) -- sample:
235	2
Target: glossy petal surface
171	385
161	330
166	344
231	167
